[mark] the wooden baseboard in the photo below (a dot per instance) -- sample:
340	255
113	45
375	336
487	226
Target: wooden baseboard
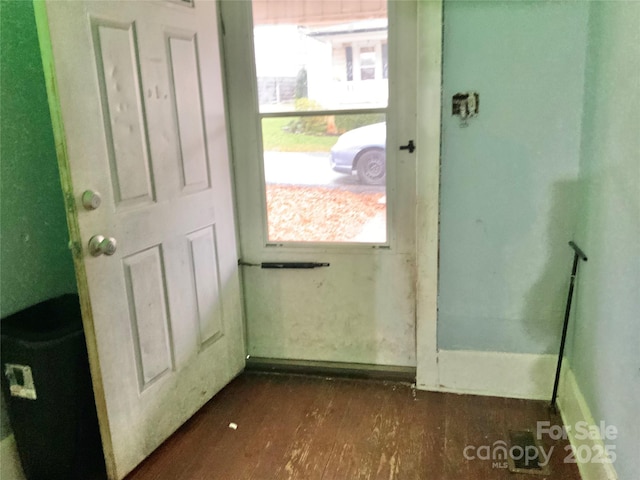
10	467
334	369
574	410
512	375
498	374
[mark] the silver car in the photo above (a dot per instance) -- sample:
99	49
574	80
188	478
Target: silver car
362	150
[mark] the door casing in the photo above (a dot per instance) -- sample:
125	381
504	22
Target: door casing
429	113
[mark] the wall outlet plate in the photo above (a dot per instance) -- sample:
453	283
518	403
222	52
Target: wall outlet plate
465	104
20	380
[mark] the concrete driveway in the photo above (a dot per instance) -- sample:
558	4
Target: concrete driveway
310	168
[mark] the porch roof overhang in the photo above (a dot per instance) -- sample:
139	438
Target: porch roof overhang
316	12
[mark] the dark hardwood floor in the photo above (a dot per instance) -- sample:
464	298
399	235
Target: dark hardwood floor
299	427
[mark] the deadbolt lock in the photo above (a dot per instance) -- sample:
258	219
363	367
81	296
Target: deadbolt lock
91	200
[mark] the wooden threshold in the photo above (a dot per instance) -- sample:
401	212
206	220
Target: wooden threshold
332	369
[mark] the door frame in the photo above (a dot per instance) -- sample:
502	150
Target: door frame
428	111
430	103
361	262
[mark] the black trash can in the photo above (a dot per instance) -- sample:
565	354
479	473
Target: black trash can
48	389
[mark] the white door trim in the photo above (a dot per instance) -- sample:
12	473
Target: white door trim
429	110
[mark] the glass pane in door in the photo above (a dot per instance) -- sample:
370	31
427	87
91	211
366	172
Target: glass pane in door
320	55
325	174
322	186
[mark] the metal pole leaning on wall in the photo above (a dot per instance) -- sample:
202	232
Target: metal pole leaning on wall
577	256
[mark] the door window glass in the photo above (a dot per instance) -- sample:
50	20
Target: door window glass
322	92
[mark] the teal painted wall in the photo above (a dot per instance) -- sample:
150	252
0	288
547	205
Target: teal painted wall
508	180
35	263
605	348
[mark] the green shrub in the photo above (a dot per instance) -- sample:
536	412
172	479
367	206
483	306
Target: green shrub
307	105
323	125
316	125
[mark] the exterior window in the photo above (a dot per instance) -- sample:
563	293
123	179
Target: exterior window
367	63
349	55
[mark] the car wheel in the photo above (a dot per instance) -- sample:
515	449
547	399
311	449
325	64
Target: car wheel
371	167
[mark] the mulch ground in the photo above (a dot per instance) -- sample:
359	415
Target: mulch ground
318	214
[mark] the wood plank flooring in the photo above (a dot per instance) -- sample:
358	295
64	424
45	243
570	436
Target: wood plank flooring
312	428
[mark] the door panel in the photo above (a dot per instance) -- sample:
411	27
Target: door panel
204	264
348	312
139	117
188	111
126	131
362	307
146	297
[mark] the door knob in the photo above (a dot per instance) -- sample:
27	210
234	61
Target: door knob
99	245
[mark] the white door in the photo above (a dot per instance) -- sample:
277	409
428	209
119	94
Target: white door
320	69
138	110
